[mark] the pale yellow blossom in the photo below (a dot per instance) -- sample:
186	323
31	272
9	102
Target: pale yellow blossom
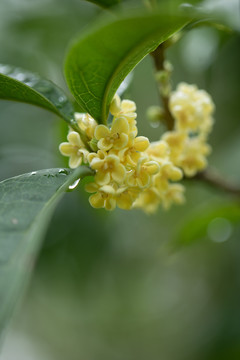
174	194
141	176
193	158
176	141
86	123
110	196
132	153
130	172
192	108
148	200
116	137
167	172
107	169
74	149
126	109
158	150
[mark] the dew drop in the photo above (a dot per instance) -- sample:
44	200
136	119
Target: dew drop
62	99
63	171
20	77
5	69
14	221
33	173
74	185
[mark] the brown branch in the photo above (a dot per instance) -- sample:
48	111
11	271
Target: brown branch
213	178
159	58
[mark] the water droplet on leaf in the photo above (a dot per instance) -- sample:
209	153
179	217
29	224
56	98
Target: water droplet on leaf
63	171
74	185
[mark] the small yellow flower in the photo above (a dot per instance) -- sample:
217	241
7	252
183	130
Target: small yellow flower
102	196
175	140
193	158
108	168
110	196
131	154
86	123
191	107
74	148
158	150
126	109
148	200
174	194
125	197
141	176
167	172
116	137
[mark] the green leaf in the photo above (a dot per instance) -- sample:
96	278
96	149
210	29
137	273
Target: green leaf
26	205
196	226
105	3
21	85
100	59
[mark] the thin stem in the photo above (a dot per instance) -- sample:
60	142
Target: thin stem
159	58
213	178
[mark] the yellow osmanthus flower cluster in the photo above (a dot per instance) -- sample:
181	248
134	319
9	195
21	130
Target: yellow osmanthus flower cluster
131	172
192	110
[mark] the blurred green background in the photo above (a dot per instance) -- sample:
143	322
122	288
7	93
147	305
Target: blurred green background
114	286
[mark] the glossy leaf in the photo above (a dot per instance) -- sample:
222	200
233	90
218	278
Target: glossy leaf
100	59
21	85
26	205
196	226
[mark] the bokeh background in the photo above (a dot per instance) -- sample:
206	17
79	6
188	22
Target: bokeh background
124	285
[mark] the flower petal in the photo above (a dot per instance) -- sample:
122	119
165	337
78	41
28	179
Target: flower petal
91	187
66	149
152	167
96	201
141	143
74	139
108	189
121	142
143	179
102	177
115	106
110	204
75	161
105	145
119	173
101	131
124	201
128	106
120	126
97	164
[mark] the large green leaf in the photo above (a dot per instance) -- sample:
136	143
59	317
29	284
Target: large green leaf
24	86
100	59
26	204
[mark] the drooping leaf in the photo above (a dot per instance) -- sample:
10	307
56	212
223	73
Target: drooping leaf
105	3
26	205
196	226
21	85
100	59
